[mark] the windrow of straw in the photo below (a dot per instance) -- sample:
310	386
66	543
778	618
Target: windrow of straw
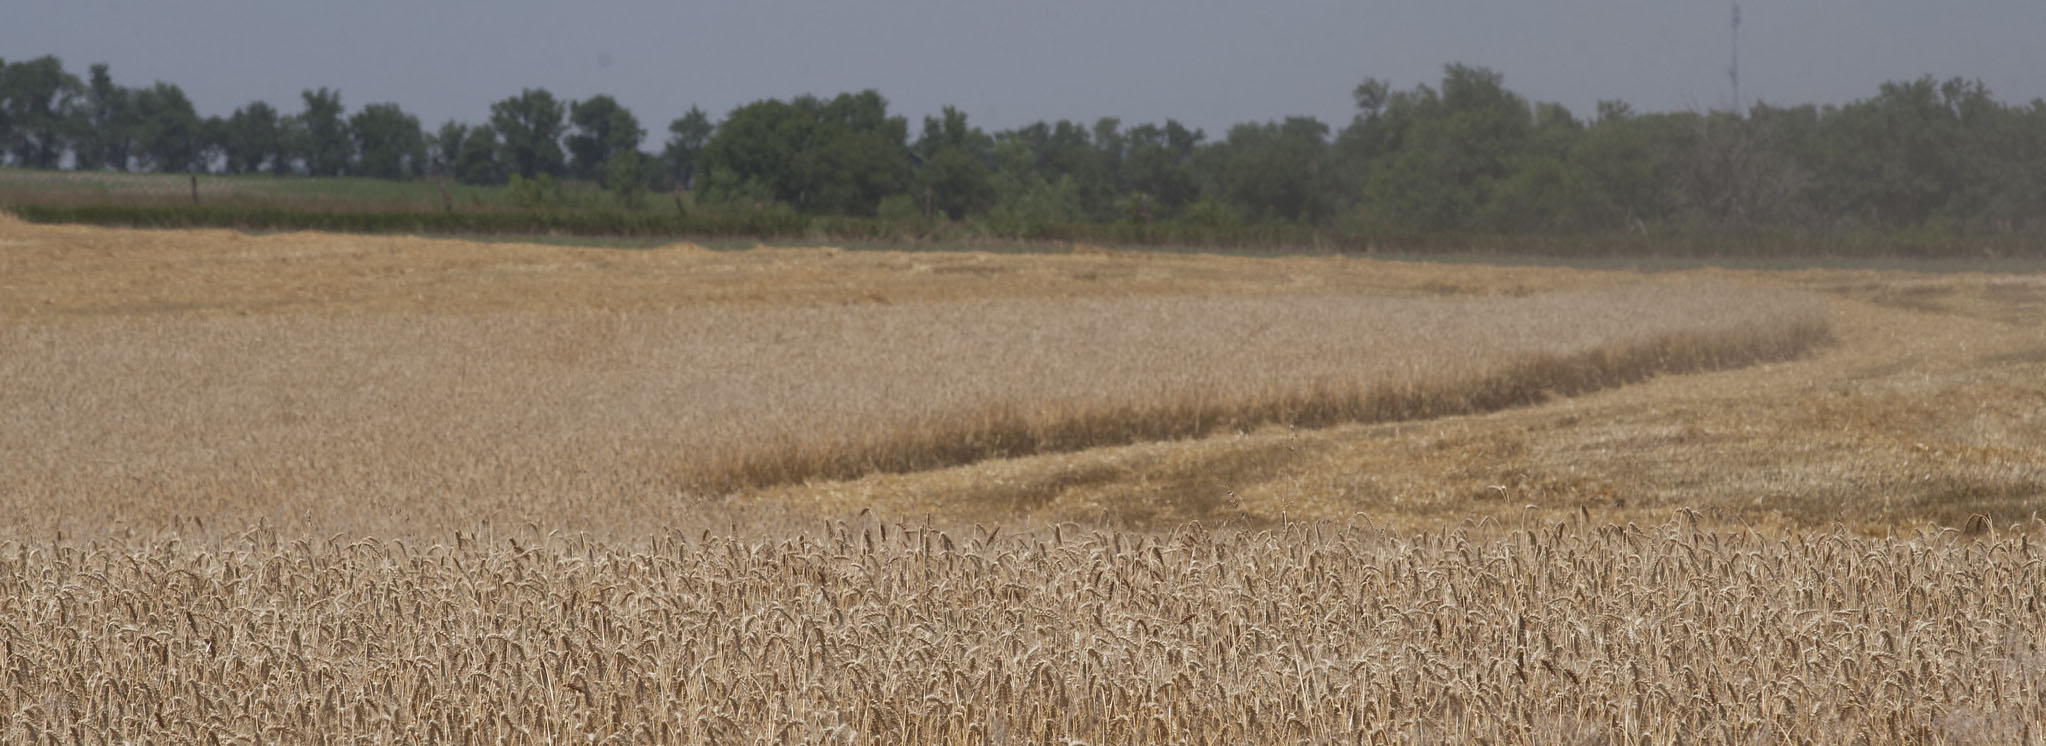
1008	429
869	632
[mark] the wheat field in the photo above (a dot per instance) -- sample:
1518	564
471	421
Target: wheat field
436	421
340	489
860	632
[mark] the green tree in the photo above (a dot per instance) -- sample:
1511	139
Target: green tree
954	168
328	145
1547	187
1434	157
444	149
107	139
1278	170
1371	137
754	151
687	136
860	155
1067	151
1628	183
529	128
958	183
626	175
839	156
6	117
388	142
477	163
602	129
213	142
255	137
2006	154
1025	199
1112	144
951	130
291	146
1159	164
1903	156
44	111
171	137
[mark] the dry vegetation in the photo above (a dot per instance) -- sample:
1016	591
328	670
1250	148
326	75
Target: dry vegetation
324	488
272	416
865	633
141	415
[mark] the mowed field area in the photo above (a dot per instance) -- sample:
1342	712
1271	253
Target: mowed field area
314	487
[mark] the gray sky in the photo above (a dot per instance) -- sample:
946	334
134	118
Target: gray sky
1209	64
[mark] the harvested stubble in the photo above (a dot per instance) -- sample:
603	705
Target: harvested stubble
381	423
871	633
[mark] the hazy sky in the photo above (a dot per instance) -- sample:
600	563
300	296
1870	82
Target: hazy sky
1209	64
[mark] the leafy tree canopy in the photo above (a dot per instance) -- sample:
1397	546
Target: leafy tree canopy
325	143
40	111
478	161
836	156
169	137
388	142
687	136
1462	154
602	129
529	128
255	137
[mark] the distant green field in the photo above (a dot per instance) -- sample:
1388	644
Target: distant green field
582	213
26	186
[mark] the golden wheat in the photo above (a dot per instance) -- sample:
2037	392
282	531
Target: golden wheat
331	371
363	399
867	632
437	420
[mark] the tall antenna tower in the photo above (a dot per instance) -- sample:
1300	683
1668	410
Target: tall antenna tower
1733	71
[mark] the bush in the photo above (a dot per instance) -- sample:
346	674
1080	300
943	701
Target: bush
538	192
899	208
626	175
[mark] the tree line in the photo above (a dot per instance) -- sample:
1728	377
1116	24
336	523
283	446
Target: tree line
1464	155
